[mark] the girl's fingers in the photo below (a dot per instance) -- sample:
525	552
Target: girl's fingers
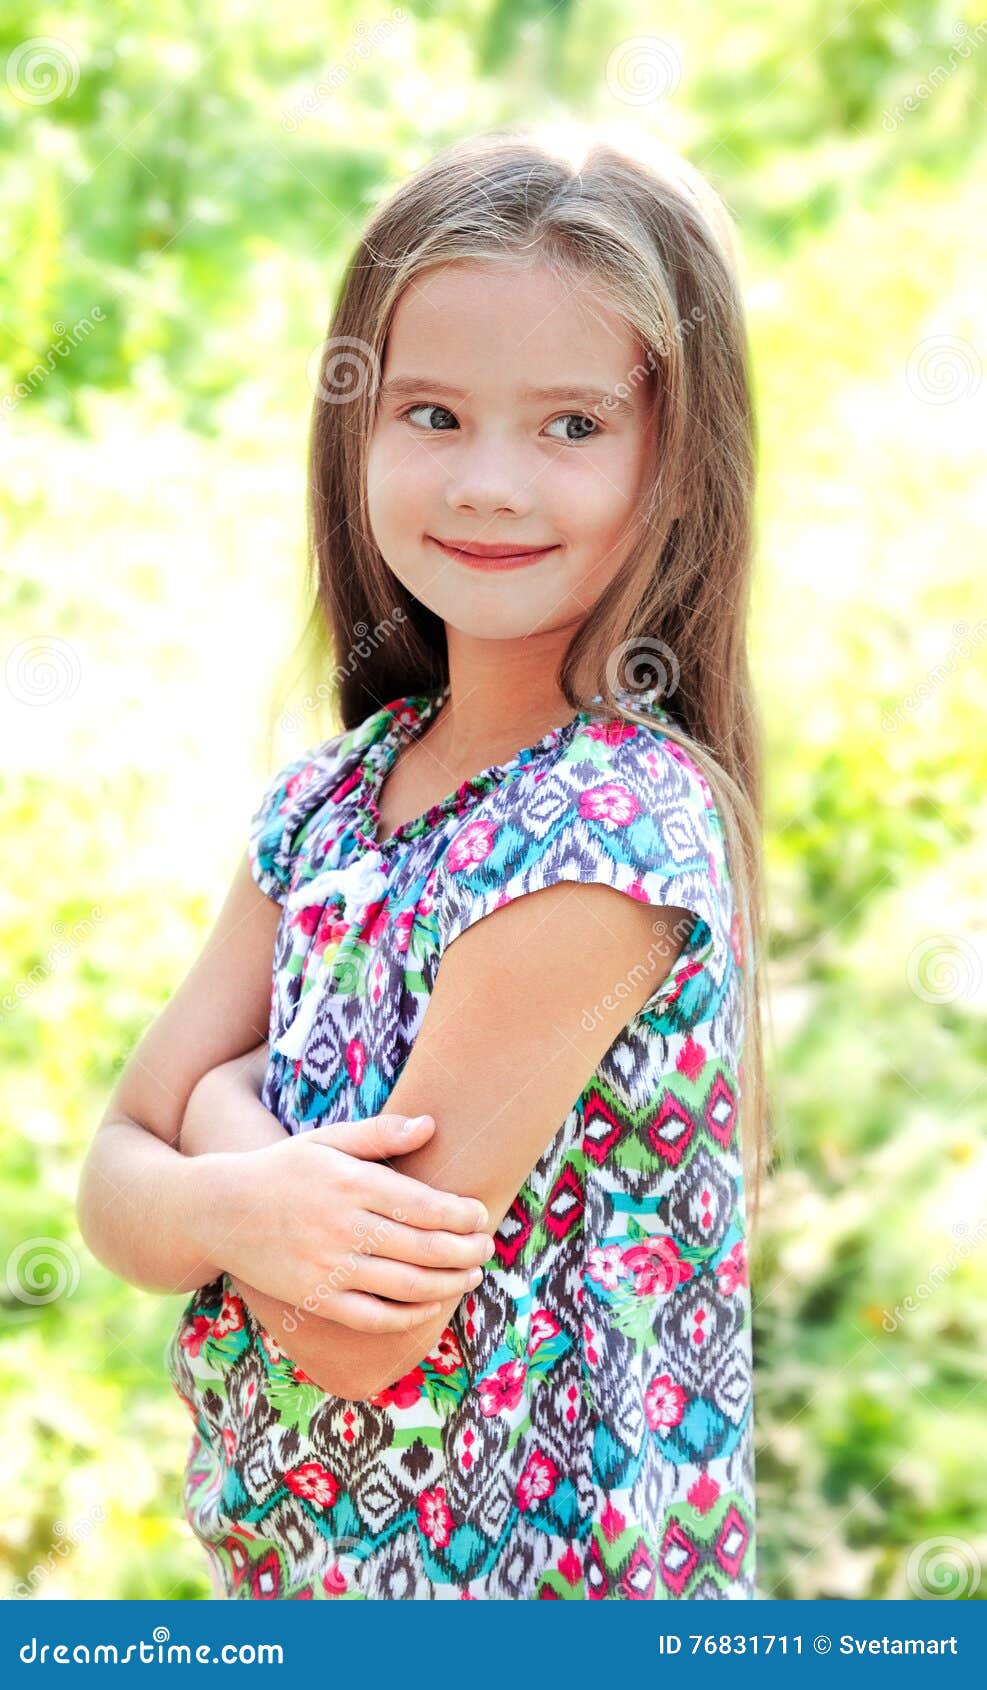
425	1248
407	1284
389	1193
363	1313
419	1203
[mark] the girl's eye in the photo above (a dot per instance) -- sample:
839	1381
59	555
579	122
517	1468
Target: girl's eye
586	427
428	407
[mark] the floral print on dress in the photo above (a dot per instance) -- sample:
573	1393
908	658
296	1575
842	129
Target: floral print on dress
582	1428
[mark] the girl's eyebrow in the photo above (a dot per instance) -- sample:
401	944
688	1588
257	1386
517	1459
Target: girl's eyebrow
593	398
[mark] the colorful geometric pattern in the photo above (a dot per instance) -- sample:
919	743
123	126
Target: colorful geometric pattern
582	1429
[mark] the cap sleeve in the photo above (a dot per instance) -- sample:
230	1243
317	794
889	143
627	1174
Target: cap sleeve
623	806
291	801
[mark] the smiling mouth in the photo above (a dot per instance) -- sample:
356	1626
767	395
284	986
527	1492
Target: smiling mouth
478	556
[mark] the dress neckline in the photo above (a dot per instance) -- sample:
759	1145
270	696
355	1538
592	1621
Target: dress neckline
404	719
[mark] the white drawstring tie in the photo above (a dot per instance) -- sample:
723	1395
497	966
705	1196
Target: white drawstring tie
361	884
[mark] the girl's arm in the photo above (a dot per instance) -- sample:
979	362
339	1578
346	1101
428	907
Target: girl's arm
501	1072
282	1212
152	1215
225	1112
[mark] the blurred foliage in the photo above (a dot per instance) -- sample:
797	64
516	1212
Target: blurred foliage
181	187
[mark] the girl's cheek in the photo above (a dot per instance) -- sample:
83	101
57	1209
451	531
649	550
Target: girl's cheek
397	464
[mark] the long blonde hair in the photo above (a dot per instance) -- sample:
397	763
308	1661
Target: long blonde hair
639	223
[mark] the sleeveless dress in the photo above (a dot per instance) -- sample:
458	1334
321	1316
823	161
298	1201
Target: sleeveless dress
582	1429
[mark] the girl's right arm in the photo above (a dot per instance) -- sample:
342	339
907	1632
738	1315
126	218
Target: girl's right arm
290	1214
152	1215
224	1111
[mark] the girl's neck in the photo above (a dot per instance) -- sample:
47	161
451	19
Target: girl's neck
502	695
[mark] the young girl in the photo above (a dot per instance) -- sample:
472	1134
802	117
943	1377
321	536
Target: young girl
531	478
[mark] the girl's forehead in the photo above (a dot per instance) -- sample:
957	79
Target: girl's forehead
512	277
498	316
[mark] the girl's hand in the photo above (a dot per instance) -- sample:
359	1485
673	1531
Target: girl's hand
313	1222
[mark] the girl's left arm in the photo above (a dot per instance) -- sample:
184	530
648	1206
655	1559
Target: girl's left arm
526	1002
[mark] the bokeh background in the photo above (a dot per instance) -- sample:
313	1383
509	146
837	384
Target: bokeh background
180	188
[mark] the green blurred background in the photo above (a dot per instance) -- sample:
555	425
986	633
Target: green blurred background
180	188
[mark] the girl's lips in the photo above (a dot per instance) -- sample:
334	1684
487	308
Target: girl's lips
511	560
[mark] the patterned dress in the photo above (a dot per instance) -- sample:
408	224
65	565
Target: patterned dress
582	1428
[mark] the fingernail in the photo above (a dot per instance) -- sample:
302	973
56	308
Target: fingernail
412	1123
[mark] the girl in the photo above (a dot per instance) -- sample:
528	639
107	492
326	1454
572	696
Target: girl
531	478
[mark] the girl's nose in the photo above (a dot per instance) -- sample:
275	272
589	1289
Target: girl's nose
490	480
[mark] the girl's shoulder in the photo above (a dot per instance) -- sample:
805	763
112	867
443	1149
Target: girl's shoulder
619	803
622	775
648	760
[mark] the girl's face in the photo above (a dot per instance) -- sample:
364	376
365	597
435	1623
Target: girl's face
465	448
